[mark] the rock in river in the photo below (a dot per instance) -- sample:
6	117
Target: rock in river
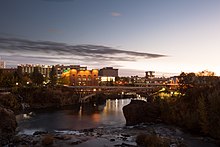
141	112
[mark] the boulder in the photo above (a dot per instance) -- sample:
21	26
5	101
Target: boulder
8	125
47	140
152	140
138	111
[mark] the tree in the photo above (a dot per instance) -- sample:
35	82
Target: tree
25	79
203	114
206	73
36	77
7	79
53	76
186	81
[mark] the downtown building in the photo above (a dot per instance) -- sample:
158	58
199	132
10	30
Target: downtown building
29	69
107	76
81	77
46	69
76	75
60	69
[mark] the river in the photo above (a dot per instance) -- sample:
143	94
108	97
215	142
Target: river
109	117
74	118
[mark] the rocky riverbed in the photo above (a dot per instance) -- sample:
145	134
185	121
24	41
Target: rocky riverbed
104	134
110	137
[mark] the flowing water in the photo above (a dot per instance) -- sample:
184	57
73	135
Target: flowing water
74	118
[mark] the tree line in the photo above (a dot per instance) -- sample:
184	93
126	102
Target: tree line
16	78
197	108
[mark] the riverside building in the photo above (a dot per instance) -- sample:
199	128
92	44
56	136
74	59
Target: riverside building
81	77
60	69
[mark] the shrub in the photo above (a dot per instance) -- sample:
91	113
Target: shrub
151	141
9	101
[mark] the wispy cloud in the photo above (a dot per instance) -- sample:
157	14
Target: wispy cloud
19	51
115	14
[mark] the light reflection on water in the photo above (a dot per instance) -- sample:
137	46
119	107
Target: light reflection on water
75	118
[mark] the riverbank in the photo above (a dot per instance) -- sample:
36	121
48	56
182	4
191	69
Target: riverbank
33	98
102	125
112	137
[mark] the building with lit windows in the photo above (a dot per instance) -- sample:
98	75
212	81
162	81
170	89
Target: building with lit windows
150	74
46	69
60	69
137	81
107	76
76	77
29	68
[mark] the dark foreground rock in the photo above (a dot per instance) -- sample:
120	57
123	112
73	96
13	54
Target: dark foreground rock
8	125
141	112
127	136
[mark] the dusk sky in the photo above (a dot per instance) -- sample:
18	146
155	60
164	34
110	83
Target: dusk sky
133	35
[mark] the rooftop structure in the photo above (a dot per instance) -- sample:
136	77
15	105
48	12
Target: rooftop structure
108	72
150	74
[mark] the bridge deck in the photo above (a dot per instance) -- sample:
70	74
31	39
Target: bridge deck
120	87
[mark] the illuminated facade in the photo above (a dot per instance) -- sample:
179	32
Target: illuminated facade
107	76
60	69
76	77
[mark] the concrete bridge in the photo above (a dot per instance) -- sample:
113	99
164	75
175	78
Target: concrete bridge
87	92
85	98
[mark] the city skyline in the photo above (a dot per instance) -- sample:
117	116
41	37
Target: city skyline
166	36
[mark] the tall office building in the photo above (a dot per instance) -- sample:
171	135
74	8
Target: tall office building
29	68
